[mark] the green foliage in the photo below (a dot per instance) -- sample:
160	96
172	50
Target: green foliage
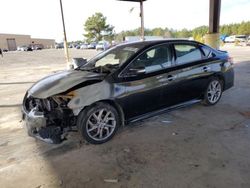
158	31
148	32
242	28
184	33
96	28
197	33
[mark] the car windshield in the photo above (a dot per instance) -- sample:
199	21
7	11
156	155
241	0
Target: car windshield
115	56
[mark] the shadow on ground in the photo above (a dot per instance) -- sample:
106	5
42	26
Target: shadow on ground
192	147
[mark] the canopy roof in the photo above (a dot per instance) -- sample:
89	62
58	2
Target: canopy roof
133	0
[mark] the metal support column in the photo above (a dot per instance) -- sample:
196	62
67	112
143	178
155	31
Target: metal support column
213	36
142	20
214	16
141	15
65	38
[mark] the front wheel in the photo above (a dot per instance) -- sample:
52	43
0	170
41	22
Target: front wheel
99	123
213	92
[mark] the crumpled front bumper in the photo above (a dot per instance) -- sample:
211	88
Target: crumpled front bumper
33	122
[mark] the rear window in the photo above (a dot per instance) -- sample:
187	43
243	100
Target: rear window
186	53
207	52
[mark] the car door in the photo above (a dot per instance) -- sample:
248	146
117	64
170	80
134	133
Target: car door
193	70
144	81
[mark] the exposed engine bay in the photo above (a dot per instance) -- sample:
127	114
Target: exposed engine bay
51	106
53	119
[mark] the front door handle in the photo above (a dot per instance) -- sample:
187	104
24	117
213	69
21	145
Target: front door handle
166	79
171	77
205	69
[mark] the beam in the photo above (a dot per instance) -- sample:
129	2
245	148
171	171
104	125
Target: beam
214	16
133	0
213	37
65	38
141	15
142	20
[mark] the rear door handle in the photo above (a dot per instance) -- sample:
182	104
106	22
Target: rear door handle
205	69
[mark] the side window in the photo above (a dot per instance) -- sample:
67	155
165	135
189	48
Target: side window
207	52
186	53
155	59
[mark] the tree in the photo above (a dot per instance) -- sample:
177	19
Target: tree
184	33
197	33
244	28
200	31
158	32
96	28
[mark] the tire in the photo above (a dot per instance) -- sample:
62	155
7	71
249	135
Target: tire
213	92
98	123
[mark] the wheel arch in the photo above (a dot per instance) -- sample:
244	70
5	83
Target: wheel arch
117	107
113	104
221	78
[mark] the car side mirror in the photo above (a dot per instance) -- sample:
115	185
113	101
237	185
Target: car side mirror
136	71
78	62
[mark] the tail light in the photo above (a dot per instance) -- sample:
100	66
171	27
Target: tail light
230	60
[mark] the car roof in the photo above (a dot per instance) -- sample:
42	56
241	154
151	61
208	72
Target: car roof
158	41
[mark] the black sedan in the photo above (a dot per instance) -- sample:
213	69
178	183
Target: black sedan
124	84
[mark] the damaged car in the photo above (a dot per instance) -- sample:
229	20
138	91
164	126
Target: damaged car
124	84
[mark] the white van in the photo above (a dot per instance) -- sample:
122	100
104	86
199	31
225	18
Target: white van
233	38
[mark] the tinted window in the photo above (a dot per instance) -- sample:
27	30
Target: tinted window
154	59
186	53
116	55
207	52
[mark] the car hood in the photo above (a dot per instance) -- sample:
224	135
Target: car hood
61	82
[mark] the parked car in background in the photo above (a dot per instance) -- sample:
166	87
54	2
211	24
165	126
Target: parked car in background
24	48
234	38
78	46
92	45
84	46
126	83
37	47
102	45
223	37
5	50
248	40
59	46
241	38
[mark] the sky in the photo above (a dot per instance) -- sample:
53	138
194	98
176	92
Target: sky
42	18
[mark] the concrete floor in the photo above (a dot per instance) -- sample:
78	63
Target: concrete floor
194	147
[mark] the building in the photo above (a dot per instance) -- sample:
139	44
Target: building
12	41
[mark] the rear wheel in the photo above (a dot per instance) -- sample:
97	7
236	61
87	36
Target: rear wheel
213	92
99	123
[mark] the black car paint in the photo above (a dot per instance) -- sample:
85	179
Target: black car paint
145	93
137	95
61	82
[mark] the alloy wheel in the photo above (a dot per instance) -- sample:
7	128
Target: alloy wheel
101	124
214	91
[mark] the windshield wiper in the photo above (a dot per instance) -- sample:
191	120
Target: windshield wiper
100	69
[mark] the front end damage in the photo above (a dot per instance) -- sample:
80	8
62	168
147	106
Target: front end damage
48	119
51	105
